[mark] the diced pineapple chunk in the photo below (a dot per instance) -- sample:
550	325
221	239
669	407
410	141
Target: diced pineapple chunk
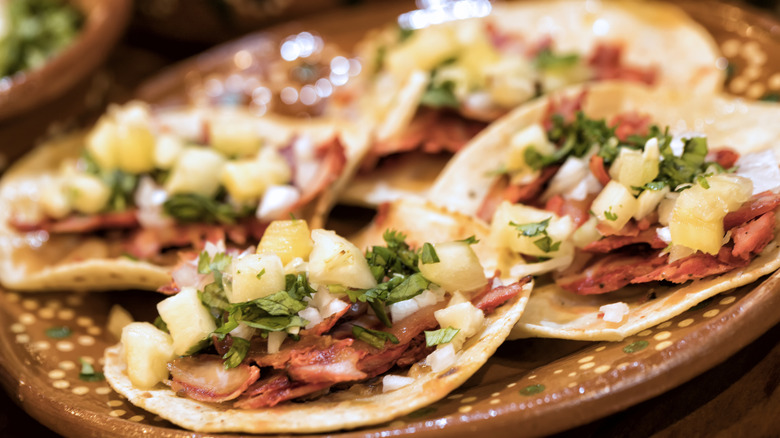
235	133
464	316
502	234
458	268
188	320
288	239
648	201
615	205
586	233
509	81
102	143
167	150
197	171
86	193
255	276
423	50
147	352
247	180
697	217
118	319
54	201
634	168
135	153
335	260
532	136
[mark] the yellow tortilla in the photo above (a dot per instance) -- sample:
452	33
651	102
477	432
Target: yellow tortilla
38	262
350	408
653	34
554	312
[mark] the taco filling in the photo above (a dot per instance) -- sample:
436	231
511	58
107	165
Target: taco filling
461	75
605	204
173	178
308	314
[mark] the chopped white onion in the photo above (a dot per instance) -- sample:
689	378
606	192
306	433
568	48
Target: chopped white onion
186	275
441	359
188	125
149	198
427	298
275	340
243	331
391	382
277	201
312	315
296	266
555	263
327	303
761	168
585	187
213	249
402	309
479	101
664	234
570	174
333	307
614	312
306	163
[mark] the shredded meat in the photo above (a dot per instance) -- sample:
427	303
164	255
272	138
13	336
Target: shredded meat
494	297
598	170
611	243
724	156
630	123
81	224
275	389
756	206
576	210
431	131
609	273
205	378
606	61
753	236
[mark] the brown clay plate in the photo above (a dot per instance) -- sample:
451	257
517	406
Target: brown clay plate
529	387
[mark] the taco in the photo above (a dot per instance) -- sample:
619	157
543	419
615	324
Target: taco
430	89
105	209
634	205
308	334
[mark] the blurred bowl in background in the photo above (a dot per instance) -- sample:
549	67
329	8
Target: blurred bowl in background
104	22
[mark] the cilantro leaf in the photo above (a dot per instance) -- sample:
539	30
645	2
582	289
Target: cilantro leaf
410	287
279	304
609	215
546	59
441	336
531	229
237	352
471	240
375	338
276	323
440	95
88	373
429	254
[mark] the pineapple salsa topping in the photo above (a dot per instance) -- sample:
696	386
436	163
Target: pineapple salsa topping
599	188
307	289
217	166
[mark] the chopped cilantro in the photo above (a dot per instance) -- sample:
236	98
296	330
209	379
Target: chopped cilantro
609	215
191	207
441	336
702	181
59	332
237	352
375	338
532	229
547	60
471	240
537	229
429	254
88	373
259	274
160	324
440	96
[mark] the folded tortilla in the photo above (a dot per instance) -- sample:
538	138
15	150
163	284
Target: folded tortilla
363	404
652	35
37	261
555	312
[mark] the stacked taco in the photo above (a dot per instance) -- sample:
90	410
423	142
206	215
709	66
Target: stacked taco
429	91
